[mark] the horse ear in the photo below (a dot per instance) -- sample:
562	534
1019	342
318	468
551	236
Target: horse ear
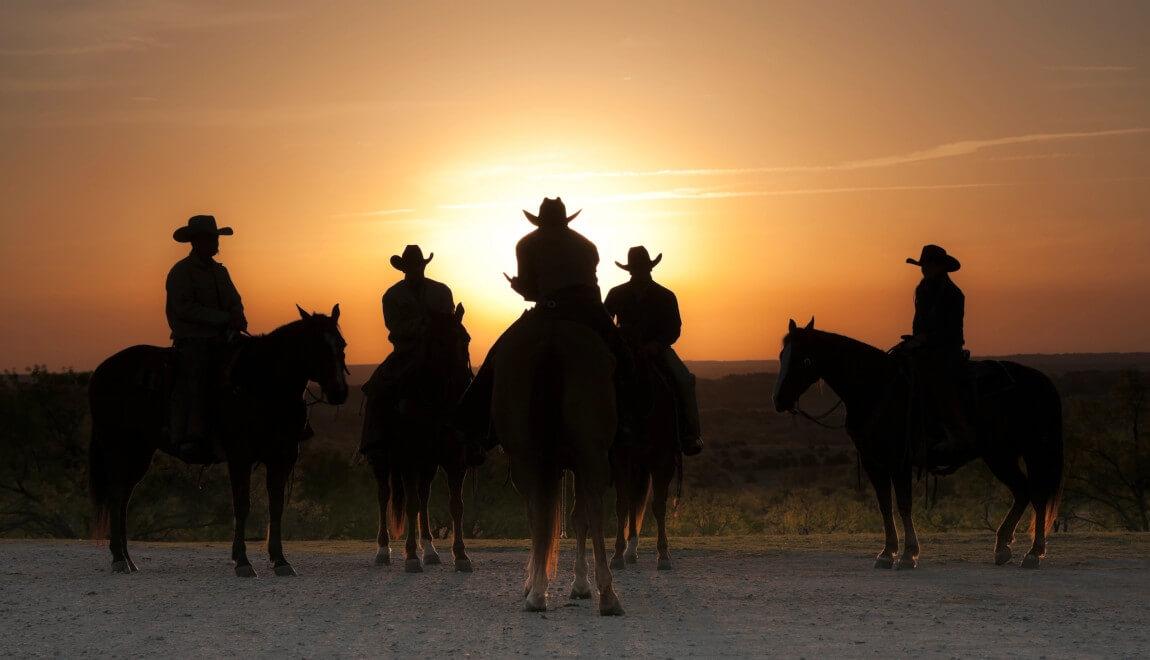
811	324
792	325
335	312
302	314
459	312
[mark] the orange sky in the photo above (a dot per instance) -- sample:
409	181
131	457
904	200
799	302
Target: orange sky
785	157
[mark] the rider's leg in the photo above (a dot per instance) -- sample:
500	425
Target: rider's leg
690	438
194	364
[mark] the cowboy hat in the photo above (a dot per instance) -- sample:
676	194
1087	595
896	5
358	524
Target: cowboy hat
412	257
933	254
551	211
200	225
639	259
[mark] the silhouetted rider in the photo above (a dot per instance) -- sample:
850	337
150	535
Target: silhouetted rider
648	316
203	309
407	306
557	272
936	349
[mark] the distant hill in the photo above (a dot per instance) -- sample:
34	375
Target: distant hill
1054	363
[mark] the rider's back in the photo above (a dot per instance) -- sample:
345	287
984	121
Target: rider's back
553	258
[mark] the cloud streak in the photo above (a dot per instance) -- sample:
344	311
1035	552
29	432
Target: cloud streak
939	152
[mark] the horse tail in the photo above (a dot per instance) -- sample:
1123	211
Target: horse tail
397	515
1045	461
546	422
99	486
1050	477
639	497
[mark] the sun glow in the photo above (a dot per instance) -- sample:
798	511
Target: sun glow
474	229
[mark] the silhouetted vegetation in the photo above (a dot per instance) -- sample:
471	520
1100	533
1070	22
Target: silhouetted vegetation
761	472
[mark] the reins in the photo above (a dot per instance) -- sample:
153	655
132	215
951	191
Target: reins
818	419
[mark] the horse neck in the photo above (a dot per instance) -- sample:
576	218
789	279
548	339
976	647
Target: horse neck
270	364
853	370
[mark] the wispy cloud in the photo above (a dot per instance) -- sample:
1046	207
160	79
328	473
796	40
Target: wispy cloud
1090	68
691	194
939	152
381	213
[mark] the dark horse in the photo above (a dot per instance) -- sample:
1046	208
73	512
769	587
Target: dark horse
411	444
261	420
554	409
646	468
1018	421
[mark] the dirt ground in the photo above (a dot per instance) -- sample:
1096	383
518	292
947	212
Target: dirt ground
787	596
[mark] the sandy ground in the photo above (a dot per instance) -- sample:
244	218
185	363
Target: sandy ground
805	596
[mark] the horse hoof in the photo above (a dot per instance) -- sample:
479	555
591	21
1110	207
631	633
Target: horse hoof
284	570
463	565
537	603
383	557
631	558
617	563
883	561
665	565
413	566
431	559
121	567
245	571
1001	556
1030	561
580	591
907	563
610	606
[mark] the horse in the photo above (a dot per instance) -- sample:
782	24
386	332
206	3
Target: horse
646	469
261	419
418	442
1022	421
553	407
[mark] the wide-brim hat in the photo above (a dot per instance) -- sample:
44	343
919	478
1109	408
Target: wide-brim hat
551	211
200	225
933	254
638	259
411	258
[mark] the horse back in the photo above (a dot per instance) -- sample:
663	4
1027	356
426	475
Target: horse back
554	383
141	375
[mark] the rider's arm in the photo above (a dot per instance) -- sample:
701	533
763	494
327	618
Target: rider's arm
182	301
670	323
233	303
526	283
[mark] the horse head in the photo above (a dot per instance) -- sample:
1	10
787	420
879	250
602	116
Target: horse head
322	352
448	344
797	367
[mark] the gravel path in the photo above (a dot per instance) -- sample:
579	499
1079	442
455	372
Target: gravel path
58	598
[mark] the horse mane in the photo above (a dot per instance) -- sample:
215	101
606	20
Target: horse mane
842	343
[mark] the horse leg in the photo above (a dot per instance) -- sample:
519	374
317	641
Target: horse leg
240	475
660	486
455	476
622	492
638	502
880	480
543	509
1008	472
905	498
1038	548
277	476
430	555
592	495
383	493
581	586
118	531
411	563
